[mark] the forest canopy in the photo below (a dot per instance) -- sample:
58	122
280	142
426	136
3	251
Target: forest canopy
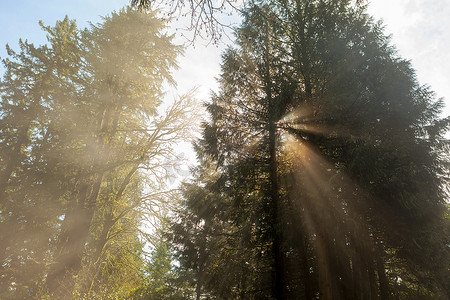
84	153
322	166
322	169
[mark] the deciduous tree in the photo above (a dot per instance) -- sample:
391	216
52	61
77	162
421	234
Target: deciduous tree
86	146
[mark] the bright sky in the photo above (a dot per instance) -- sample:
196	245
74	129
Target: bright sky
419	28
421	32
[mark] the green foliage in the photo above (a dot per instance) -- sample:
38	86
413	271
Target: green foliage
323	166
83	149
357	207
162	279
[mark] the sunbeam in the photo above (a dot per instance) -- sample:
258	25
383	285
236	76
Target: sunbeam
327	203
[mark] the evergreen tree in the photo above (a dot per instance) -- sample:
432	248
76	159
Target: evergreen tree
32	188
331	159
84	150
162	279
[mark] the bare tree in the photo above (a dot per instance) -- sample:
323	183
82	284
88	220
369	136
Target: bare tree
206	17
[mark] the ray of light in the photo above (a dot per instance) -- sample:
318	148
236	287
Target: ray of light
302	113
326	202
305	119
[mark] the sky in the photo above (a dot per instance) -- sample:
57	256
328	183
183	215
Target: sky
419	29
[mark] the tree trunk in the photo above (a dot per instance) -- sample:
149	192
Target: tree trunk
61	277
108	224
383	280
278	268
307	283
94	269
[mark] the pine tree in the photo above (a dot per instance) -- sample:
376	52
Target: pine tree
31	191
84	146
332	162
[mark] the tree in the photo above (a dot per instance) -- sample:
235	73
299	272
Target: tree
340	194
205	16
31	191
81	120
162	279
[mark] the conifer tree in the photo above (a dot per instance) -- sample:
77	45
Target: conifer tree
332	162
84	150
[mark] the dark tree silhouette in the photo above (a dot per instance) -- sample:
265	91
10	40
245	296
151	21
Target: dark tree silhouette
322	168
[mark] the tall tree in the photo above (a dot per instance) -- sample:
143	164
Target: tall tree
89	142
32	190
332	159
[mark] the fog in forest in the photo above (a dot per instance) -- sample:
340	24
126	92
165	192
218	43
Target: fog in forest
317	166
